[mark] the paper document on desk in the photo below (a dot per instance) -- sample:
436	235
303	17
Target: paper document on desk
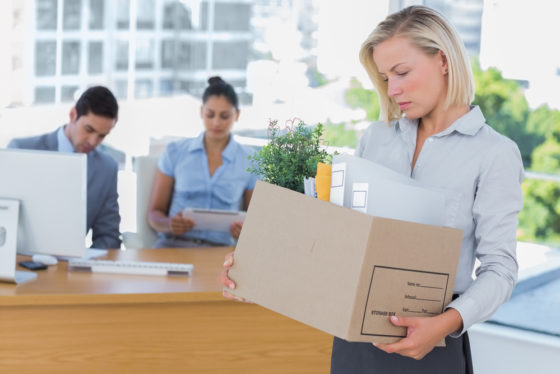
213	219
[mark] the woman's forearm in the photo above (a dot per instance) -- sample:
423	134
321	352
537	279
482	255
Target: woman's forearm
159	221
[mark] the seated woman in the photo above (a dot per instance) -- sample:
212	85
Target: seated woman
207	172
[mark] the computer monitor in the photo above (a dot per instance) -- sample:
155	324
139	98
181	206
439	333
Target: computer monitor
51	188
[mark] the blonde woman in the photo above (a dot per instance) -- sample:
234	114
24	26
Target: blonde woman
431	132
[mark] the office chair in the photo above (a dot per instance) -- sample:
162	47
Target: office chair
144	237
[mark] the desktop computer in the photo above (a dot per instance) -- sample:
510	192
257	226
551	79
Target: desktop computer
51	191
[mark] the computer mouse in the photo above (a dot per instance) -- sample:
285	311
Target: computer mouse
45	259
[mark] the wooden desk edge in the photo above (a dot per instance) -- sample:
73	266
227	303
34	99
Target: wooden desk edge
98	299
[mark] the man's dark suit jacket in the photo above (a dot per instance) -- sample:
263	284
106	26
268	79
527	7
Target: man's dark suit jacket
102	207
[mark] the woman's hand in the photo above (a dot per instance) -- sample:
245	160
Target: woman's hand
235	229
179	225
423	333
227	282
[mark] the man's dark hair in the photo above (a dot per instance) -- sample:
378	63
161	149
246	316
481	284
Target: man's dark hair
218	87
98	100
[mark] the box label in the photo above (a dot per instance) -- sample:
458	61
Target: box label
417	293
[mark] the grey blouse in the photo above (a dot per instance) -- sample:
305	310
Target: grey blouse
479	172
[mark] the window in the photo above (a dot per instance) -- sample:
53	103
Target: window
45	58
167	54
184	59
176	16
230	55
166	87
193	87
183	55
70	58
144	54
198	55
72	14
95	57
96	14
67	93
44	95
146	15
121	55
227	16
121	87
232	17
143	88
123	14
46	14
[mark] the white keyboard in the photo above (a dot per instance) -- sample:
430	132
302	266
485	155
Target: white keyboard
130	267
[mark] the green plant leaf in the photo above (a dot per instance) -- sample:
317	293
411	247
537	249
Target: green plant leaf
290	156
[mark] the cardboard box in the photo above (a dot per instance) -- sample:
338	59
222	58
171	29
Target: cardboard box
339	270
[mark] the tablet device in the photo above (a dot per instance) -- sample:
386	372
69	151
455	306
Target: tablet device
213	219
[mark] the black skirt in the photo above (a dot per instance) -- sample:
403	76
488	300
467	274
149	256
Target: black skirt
358	358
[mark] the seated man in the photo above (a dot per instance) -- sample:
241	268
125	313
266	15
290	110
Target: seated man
91	119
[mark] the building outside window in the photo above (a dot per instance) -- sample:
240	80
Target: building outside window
232	17
72	14
46	14
67	93
44	95
144	54
96	14
146	15
45	58
70	57
172	40
123	14
168	54
120	89
230	55
121	55
176	16
143	88
95	57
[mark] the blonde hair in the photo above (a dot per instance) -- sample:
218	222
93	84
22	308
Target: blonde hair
429	31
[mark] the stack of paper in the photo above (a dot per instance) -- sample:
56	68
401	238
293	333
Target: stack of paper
376	190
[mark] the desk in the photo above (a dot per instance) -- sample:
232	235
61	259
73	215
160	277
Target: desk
106	323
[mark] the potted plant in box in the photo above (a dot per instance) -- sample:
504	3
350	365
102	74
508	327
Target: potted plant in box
291	155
